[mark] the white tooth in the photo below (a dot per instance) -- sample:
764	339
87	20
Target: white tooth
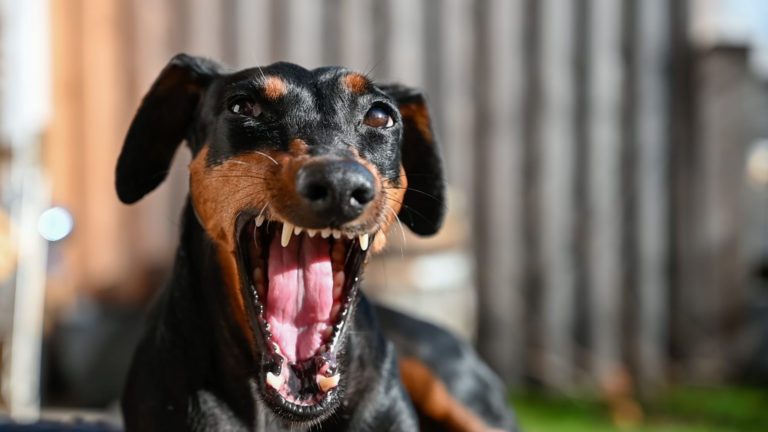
276	348
297	230
287	232
336	234
326	383
259	220
311	232
325	233
364	242
350	236
276	381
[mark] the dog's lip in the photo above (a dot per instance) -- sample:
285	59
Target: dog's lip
270	363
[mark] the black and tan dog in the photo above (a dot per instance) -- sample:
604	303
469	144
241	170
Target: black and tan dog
296	177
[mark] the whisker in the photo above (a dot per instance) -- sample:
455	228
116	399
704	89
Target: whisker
234	176
418	175
414	211
257	166
421	192
402	230
268	157
264	208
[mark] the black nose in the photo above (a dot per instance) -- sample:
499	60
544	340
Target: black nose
335	191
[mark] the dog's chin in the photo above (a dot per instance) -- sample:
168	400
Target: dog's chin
299	290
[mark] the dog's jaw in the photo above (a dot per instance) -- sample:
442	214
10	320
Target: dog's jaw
300	345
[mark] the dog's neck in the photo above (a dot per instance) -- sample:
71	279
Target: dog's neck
225	361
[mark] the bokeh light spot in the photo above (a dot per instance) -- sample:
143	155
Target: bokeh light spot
55	224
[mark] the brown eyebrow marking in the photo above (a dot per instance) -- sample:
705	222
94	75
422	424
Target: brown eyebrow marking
274	88
355	83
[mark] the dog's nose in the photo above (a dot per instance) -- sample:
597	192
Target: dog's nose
336	191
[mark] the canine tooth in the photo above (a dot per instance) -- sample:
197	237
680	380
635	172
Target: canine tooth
311	232
326	383
325	233
259	220
297	230
364	242
276	381
287	232
336	234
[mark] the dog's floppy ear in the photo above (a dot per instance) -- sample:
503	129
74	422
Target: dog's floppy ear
162	122
424	202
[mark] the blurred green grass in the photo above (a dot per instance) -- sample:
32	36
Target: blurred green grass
675	410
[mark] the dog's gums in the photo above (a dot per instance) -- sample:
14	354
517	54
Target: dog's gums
301	288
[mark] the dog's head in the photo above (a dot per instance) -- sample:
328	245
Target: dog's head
296	176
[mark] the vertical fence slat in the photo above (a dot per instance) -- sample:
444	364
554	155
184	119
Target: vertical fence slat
204	35
304	33
557	174
455	91
405	55
499	148
357	35
104	74
652	189
604	181
721	123
253	30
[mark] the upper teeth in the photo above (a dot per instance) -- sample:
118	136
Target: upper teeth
290	229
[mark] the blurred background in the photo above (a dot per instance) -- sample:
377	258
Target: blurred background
607	244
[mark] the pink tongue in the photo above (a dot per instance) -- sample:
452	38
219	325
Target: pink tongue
300	295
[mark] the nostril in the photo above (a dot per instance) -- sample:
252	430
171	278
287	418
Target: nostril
362	195
316	192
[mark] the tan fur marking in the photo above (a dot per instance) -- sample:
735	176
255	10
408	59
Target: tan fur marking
393	197
431	397
219	193
355	83
274	88
417	113
298	147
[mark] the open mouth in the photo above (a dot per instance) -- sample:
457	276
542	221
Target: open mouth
299	287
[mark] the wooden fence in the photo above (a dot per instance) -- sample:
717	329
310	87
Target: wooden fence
569	125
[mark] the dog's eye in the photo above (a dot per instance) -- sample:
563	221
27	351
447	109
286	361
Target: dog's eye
378	118
246	108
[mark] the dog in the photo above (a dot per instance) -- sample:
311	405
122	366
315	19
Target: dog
295	178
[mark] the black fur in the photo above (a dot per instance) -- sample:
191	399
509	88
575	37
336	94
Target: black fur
195	369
